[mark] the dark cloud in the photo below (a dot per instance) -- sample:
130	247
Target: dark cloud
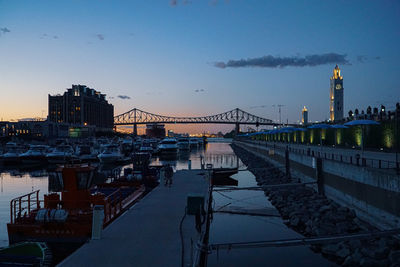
4	30
199	90
365	59
173	2
261	106
361	59
124	97
100	36
46	36
214	2
281	62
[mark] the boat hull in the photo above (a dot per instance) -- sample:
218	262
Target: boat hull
33	160
10	161
59	159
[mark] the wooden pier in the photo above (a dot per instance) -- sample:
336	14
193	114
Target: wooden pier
149	233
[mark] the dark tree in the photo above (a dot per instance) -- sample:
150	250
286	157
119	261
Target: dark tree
369	110
356	112
375	110
350	113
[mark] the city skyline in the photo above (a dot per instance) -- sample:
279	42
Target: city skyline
195	58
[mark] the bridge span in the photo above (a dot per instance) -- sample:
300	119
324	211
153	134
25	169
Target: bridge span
235	116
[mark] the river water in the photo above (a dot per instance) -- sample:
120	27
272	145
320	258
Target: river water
224	228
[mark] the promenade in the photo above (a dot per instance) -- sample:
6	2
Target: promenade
148	234
346	155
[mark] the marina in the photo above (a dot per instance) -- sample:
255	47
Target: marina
151	211
199	133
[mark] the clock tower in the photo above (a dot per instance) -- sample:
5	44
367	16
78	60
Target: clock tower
336	96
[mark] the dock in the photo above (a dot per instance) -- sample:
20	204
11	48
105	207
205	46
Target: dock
148	234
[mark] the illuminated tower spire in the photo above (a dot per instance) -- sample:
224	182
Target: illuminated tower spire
336	96
304	115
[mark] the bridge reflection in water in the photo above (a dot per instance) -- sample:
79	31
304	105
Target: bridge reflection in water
217	154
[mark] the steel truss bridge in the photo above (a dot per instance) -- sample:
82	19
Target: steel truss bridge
235	116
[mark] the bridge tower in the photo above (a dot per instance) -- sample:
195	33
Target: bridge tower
237	126
134	123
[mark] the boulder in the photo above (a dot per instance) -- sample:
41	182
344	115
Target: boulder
343	253
324	208
330	249
394	256
294	221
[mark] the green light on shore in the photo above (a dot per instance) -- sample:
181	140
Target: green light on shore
338	136
388	137
312	136
358	135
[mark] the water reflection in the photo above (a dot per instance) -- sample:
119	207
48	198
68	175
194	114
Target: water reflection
16	181
226	228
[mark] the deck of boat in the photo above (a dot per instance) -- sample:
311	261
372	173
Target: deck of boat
148	234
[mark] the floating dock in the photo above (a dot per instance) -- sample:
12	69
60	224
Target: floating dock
149	233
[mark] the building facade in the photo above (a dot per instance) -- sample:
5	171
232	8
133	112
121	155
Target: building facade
336	104
155	130
304	116
82	106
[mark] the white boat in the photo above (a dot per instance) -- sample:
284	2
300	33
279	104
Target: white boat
193	142
61	154
168	146
35	154
146	147
200	140
183	143
111	154
11	155
127	146
86	153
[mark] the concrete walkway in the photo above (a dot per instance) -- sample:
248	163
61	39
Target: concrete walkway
148	234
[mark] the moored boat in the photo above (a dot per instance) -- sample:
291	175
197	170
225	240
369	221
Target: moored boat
61	154
26	254
35	155
183	143
86	153
64	221
168	146
11	155
111	154
193	142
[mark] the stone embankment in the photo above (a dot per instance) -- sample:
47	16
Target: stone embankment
312	215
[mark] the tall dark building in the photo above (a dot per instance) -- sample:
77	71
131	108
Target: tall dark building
81	106
155	130
336	96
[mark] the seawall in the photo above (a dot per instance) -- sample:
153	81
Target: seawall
374	194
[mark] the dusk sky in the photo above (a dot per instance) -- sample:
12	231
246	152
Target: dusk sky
198	58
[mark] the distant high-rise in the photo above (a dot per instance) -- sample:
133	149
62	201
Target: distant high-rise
304	115
336	96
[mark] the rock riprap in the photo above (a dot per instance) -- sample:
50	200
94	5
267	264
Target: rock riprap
313	215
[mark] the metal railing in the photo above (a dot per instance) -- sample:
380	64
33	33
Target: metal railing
356	160
26	203
113	205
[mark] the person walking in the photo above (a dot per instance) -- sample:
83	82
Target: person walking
169	172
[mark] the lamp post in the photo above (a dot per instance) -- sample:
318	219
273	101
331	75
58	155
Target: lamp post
397	137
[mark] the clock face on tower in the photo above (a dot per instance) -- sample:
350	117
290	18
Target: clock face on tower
338	86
